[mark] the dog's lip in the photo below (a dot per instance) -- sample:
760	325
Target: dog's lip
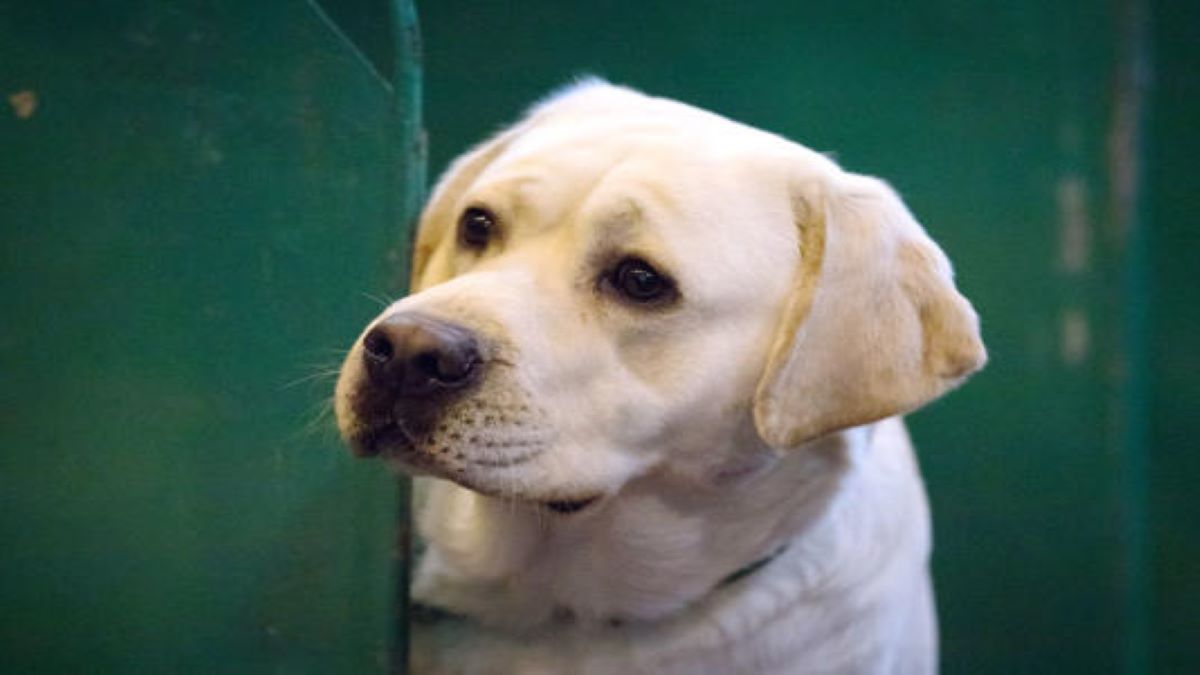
373	441
570	505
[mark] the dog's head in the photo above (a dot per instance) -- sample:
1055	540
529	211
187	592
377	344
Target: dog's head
618	283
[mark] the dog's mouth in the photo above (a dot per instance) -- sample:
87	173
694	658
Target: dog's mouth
373	442
569	506
393	441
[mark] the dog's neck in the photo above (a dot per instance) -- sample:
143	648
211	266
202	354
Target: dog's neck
666	541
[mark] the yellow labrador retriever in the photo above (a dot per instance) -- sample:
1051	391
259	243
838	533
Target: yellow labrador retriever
652	368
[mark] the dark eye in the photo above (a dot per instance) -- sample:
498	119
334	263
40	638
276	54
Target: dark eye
636	280
475	227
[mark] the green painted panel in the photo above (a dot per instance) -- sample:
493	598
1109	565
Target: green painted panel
1174	239
197	202
1002	124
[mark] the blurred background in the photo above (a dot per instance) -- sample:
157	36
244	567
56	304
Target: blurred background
202	202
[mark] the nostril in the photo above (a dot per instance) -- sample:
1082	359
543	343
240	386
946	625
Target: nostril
450	366
427	364
457	368
377	347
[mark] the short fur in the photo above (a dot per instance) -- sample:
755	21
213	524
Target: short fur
754	417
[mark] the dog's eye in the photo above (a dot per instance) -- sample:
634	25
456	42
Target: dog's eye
475	227
636	280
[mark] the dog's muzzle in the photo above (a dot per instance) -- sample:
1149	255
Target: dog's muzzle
413	365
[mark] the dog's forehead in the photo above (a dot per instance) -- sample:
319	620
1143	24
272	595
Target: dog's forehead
579	155
626	174
604	167
675	182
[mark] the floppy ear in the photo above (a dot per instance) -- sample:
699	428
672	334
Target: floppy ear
440	217
874	326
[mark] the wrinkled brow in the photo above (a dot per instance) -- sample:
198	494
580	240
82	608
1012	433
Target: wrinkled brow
517	194
625	227
618	223
627	213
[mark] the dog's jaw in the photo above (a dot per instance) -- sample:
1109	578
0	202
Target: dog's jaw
494	444
660	544
851	585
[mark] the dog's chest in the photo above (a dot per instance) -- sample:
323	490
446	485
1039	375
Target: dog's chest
753	626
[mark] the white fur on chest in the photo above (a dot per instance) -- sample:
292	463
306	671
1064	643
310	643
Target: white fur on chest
636	586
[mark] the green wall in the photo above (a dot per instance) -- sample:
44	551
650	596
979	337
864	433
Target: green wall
1017	132
1173	305
198	200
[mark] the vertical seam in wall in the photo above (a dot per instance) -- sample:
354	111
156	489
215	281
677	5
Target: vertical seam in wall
1128	434
409	101
409	176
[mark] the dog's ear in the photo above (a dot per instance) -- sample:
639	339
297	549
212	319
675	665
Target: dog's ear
874	326
431	261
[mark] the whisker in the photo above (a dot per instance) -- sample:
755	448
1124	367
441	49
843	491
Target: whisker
319	422
339	352
382	302
329	374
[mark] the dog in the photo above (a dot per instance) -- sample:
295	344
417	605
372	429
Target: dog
651	373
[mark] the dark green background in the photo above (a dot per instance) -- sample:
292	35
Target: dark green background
205	191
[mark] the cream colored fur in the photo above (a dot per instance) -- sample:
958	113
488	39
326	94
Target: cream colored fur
758	413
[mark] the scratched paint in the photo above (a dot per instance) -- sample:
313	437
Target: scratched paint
1074	224
1075	336
1074	252
24	103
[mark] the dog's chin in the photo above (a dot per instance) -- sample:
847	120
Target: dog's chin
397	447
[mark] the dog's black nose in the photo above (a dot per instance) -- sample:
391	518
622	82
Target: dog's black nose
415	355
